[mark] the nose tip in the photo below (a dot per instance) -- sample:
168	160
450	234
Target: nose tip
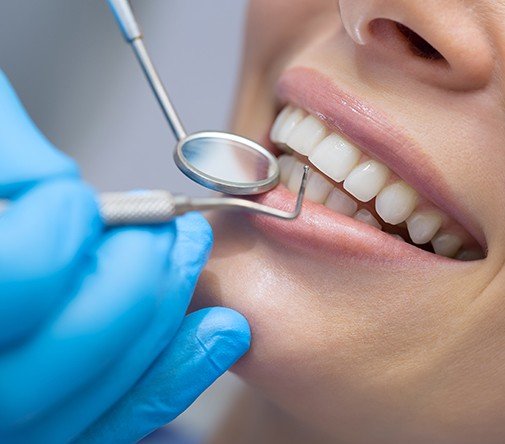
440	42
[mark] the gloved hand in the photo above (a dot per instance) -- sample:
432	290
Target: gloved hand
94	342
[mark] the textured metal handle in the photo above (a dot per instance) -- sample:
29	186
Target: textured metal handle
131	208
137	208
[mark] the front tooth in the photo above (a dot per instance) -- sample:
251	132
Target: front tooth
366	217
446	244
279	123
396	202
318	188
295	180
287	124
335	157
366	180
341	203
306	135
423	225
286	165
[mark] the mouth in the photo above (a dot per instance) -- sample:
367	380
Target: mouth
374	193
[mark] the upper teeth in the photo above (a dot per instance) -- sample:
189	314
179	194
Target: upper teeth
362	177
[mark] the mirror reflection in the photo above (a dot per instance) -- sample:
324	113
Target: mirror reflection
227	160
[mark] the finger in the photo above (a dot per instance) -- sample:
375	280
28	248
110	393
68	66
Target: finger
26	156
78	411
209	342
116	300
43	239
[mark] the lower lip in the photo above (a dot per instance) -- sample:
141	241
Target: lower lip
320	231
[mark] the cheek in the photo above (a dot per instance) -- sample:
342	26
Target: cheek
273	27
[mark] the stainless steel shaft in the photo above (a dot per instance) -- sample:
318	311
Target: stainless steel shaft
157	206
133	35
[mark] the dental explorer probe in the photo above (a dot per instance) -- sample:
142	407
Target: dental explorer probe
157	206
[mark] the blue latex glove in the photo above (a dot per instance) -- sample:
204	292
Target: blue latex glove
94	342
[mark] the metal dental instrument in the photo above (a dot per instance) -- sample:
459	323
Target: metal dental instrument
223	162
220	161
158	207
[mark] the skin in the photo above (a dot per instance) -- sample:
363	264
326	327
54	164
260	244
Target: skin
355	353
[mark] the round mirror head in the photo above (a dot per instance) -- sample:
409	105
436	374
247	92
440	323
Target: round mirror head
227	163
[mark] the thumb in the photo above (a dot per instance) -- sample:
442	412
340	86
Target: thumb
208	343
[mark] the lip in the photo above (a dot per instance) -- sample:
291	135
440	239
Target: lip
322	231
371	130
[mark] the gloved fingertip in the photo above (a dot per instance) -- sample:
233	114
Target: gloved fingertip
195	226
207	344
193	245
225	334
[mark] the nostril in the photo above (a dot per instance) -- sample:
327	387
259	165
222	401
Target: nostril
395	33
437	42
418	45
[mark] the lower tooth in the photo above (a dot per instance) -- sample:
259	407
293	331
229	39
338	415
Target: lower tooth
423	226
341	203
318	188
295	180
286	165
470	255
366	217
446	244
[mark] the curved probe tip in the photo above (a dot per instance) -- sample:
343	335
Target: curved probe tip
301	193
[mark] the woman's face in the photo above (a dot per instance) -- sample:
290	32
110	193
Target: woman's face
399	107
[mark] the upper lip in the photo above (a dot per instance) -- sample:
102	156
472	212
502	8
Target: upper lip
372	131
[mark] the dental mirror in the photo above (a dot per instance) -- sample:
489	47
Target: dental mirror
220	161
227	163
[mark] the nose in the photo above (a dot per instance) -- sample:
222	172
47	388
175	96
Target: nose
439	41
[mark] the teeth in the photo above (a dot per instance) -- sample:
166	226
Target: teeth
306	135
366	217
295	179
396	202
446	244
470	255
318	188
366	180
423	226
286	165
341	203
338	160
335	157
285	124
